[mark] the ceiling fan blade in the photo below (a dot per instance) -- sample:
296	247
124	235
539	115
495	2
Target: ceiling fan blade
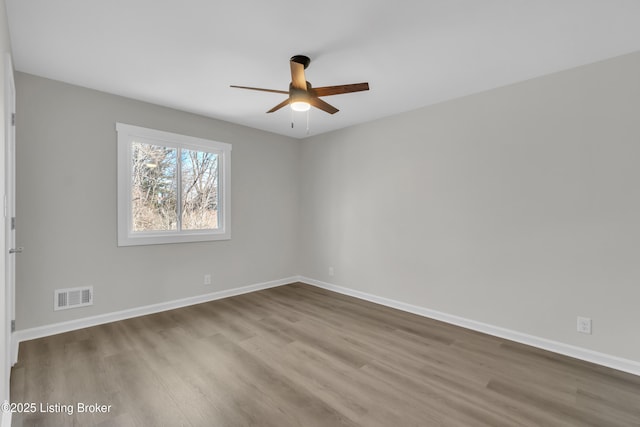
319	103
279	106
298	80
261	89
338	90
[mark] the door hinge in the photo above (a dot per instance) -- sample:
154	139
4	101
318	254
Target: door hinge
13	326
13	119
13	222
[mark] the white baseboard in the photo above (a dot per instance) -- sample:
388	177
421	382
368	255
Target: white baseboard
603	359
6	419
72	325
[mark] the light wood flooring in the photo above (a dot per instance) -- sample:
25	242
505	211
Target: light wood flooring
297	355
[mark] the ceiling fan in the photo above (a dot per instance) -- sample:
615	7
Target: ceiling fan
302	95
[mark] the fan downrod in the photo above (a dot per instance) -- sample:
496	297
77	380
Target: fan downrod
301	59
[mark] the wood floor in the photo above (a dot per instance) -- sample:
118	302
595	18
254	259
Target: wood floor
302	356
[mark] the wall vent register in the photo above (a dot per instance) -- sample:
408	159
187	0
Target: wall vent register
72	298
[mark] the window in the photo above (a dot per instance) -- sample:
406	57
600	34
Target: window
171	188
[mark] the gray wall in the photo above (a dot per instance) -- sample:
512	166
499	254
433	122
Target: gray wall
518	207
66	206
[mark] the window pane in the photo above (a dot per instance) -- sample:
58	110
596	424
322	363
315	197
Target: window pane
153	189
199	190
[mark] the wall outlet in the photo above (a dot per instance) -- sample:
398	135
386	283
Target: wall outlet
584	325
331	271
207	279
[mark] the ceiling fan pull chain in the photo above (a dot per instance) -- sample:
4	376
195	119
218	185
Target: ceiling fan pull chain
291	118
307	122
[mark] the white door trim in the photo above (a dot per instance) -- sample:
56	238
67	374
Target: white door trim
9	212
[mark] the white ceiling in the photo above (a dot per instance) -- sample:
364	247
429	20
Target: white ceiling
185	54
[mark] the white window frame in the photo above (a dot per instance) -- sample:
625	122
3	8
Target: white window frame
127	134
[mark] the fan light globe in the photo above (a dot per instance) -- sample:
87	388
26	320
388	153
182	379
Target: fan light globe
300	106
